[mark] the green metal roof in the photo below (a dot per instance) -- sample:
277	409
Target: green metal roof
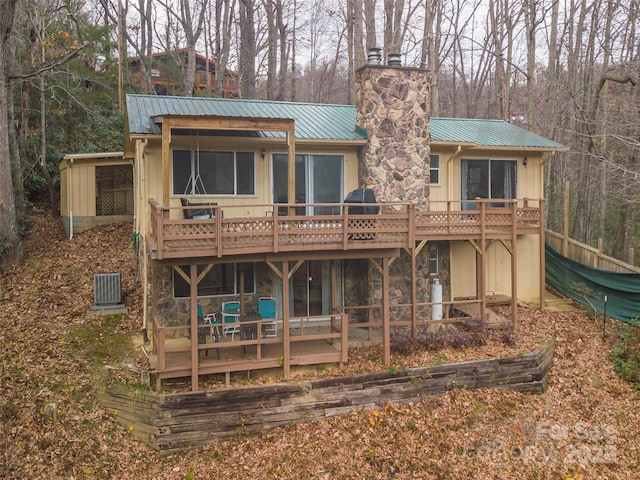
487	133
312	121
328	122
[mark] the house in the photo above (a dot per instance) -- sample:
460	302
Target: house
166	70
95	189
243	199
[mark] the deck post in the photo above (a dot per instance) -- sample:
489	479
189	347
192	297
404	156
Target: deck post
483	262
166	162
413	251
514	262
386	317
286	334
543	272
193	315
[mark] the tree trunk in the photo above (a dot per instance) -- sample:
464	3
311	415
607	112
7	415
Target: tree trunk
272	48
222	42
247	59
284	53
53	198
370	23
10	244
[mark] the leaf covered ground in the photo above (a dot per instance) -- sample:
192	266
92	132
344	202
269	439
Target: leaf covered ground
55	356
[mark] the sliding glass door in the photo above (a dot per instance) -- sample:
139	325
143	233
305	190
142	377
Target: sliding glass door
319	178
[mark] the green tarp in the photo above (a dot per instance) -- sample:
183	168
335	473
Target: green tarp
589	286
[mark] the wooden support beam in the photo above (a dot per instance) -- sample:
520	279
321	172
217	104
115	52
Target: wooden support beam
475	245
193	309
208	122
506	246
543	271
166	164
291	167
204	272
286	334
414	294
514	264
376	265
483	261
275	269
295	268
241	280
386	317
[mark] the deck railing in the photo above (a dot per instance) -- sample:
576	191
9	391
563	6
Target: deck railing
320	340
254	229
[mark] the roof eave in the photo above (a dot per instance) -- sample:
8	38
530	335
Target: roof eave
501	148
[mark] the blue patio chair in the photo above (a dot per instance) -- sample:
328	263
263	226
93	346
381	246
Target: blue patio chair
230	315
267	309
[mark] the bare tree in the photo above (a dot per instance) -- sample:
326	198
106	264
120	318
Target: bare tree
10	243
248	51
191	18
223	21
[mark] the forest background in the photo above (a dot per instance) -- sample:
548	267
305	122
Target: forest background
565	69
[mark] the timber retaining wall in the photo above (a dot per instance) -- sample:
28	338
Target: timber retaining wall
173	422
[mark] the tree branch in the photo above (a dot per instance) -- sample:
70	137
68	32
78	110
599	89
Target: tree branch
47	65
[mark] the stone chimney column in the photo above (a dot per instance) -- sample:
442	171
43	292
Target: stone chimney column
392	104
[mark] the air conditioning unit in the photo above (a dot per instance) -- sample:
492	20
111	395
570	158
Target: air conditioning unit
107	289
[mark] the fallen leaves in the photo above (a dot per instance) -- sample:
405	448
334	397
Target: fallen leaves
482	434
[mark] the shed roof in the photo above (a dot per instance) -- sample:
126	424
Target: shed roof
314	121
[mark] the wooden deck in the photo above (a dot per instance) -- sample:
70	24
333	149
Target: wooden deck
227	232
310	341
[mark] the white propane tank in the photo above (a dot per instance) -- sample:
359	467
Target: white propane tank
436	297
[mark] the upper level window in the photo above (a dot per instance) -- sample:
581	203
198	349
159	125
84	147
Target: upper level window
198	172
488	179
434	169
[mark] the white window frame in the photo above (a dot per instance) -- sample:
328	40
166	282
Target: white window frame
194	174
433	156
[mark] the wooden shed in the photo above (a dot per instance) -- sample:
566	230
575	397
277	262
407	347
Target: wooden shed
95	189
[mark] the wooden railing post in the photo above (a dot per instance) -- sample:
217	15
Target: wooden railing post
344	339
276	228
218	211
411	237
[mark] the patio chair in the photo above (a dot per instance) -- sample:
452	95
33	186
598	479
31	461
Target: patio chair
210	320
267	309
230	314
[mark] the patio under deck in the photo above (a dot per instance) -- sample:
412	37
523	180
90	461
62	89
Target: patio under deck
227	232
310	341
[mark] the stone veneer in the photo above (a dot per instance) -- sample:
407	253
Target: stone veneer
392	104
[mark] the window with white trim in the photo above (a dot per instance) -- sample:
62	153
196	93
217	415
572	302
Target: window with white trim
219	279
433	258
485	178
202	172
434	169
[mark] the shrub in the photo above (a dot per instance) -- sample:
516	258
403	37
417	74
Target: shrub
626	354
472	333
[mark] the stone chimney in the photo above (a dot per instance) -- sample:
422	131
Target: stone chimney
392	104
